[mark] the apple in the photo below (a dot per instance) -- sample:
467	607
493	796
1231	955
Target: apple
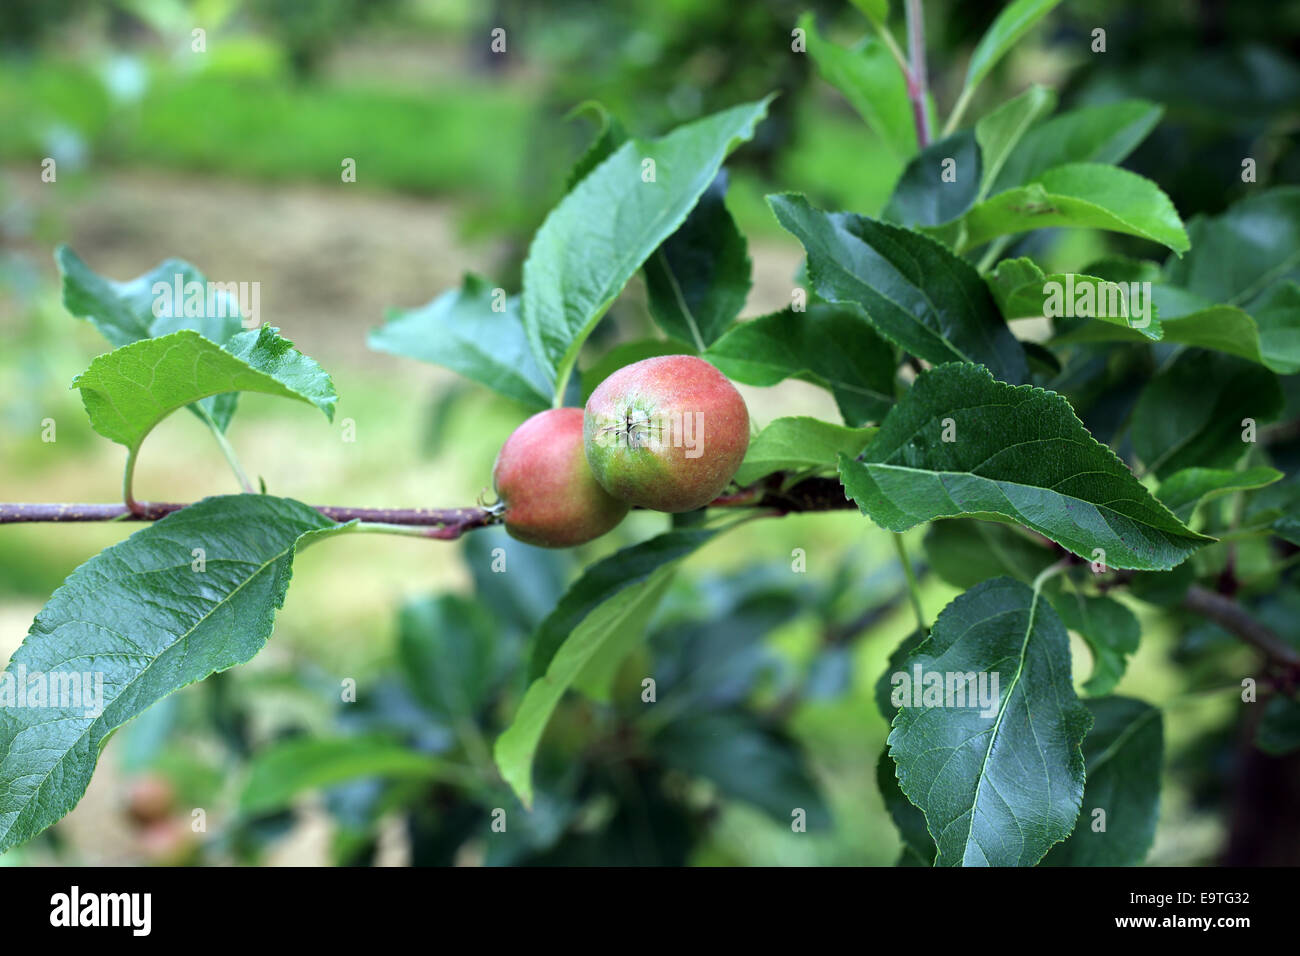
666	433
549	495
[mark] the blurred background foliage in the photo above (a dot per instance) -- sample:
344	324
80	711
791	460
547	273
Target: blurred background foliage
230	158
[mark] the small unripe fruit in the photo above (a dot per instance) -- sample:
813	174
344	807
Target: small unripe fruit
666	433
150	798
541	476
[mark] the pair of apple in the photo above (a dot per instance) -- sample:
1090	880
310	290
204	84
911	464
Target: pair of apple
665	433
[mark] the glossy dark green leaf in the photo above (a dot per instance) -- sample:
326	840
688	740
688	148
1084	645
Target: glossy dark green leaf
1183	491
1091	134
698	279
1016	452
897	660
918	845
140	615
1191	414
474	330
1124	754
939	184
829	345
799	443
747	761
872	83
1110	629
914	291
601	233
1237	255
998	785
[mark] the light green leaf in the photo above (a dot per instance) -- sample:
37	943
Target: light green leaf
1093	134
149	306
286	769
999	778
131	389
1110	629
1124	753
1000	131
832	346
1023	291
462	331
872	83
1079	196
1183	491
144	618
602	232
1015	20
914	291
799	443
1186	319
1191	413
626	611
1017	453
877	11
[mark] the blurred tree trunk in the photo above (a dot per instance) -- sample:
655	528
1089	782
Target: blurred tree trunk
1265	824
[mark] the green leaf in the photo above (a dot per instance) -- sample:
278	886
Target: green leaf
1000	131
282	771
1111	631
1015	20
998	786
923	197
627	610
877	11
884	689
1279	730
131	389
1093	134
918	846
602	581
447	644
1241	252
914	291
461	330
610	135
1017	453
140	615
872	83
799	443
698	279
1183	491
1124	755
602	232
1191	413
124	312
831	346
1079	196
1186	319
964	553
1023	291
747	761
